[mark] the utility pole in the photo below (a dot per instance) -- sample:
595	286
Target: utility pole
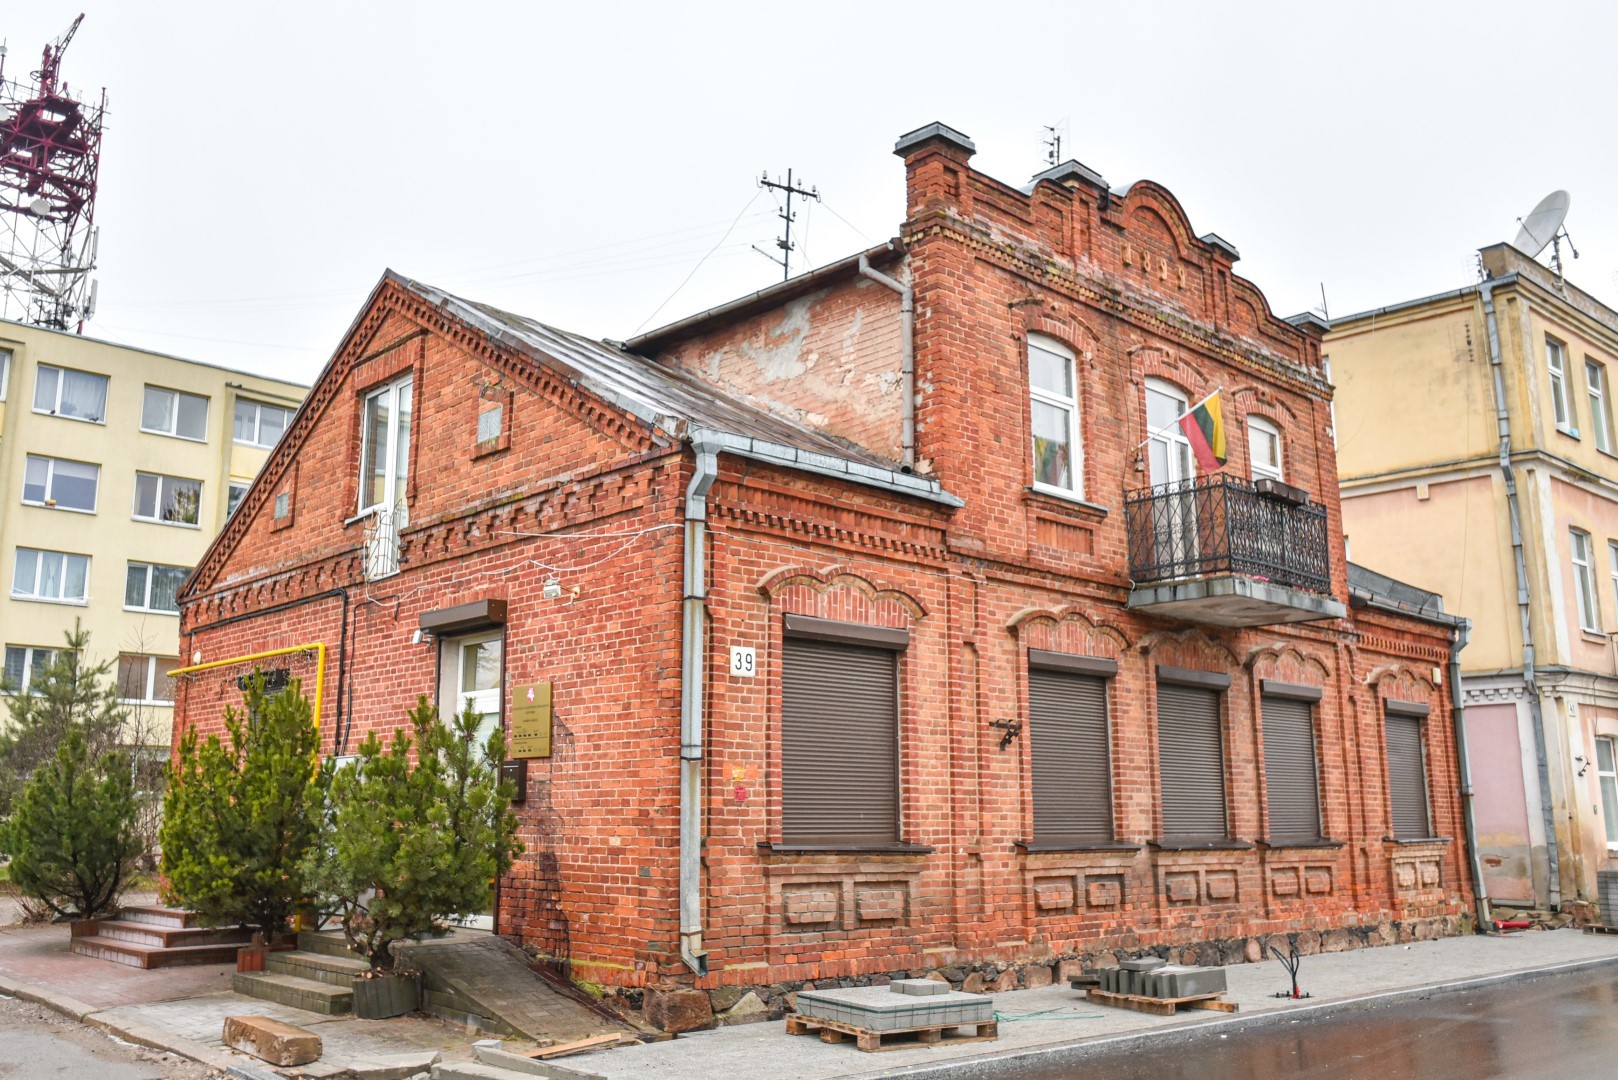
787	218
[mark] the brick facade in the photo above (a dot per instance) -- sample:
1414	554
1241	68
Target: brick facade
1118	278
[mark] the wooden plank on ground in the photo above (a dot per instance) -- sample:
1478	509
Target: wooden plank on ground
595	1042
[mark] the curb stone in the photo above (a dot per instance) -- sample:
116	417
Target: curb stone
1011	1062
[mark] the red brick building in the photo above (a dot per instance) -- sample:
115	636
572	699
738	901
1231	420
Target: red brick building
889	623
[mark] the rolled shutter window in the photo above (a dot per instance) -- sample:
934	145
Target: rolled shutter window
839	744
1191	764
1291	782
1072	766
1407	778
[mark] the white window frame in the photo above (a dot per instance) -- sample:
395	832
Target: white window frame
37	597
1612	559
146	605
1561	404
151	680
235	492
1069	405
61	381
1257	425
157	506
1595	385
29	652
5	372
1607	786
50	502
1584	585
175	413
258	423
391	495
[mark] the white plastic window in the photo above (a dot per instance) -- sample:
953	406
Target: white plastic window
167	500
1607	776
50	575
1054	409
150	587
78	395
1556	364
385	447
1584	585
258	424
60	484
173	412
144	680
25	666
1264	448
1595	383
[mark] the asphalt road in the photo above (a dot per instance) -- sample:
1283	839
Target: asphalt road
1559	1026
37	1044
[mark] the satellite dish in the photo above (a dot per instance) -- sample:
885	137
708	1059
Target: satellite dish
40	206
1542	223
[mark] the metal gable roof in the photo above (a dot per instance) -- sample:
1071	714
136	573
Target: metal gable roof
678	402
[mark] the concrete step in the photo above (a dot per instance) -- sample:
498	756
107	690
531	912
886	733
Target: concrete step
306	994
325	942
158	915
470	1070
134	954
333	970
168	937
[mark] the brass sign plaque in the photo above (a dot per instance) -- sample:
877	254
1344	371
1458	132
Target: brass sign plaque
531	721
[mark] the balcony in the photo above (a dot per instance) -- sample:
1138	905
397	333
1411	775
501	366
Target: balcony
1225	551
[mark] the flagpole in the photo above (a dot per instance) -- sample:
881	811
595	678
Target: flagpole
1177	419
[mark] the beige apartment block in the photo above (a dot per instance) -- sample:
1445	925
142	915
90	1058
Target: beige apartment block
1478	458
117	468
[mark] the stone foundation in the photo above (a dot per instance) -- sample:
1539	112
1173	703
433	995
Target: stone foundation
687	1009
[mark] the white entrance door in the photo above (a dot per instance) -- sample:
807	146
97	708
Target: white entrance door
476	676
1169	457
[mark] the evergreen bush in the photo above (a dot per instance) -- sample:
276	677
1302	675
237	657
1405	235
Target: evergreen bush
414	834
239	820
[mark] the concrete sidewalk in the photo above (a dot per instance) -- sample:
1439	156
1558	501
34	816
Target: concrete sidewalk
1055	1023
183	1010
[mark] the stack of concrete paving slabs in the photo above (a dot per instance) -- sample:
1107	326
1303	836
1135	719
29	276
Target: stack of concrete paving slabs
1155	978
902	1005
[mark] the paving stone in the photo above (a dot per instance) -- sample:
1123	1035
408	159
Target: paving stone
919	987
517	1063
1142	963
271	1040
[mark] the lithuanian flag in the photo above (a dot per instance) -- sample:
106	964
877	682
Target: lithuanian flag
1204	426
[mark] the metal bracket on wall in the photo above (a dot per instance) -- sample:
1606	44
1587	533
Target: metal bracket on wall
1012	729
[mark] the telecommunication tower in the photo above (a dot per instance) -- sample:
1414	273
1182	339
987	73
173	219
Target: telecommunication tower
50	155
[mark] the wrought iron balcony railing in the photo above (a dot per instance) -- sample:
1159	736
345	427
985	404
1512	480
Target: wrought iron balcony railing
382	543
1227	525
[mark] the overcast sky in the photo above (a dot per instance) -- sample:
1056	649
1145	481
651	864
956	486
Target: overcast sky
265	162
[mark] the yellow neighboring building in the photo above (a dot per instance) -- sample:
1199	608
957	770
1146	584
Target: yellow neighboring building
117	468
1478	458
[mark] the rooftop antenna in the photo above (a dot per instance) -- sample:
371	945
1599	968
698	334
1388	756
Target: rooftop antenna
1543	226
787	218
1052	141
50	160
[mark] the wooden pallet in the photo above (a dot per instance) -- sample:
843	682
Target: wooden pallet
1161	1006
1598	928
833	1031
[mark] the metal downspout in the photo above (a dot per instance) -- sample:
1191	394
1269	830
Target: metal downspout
693	650
1457	697
907	362
1503	426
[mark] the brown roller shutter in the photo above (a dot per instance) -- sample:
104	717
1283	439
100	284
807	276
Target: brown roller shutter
1071	761
839	743
1191	764
1291	783
1407	778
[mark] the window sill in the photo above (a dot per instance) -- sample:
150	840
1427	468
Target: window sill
175	435
1057	847
1570	432
1594	636
252	445
170	524
49	600
1301	845
1406	841
1067	500
76	419
1199	845
899	848
49	506
149	611
146	702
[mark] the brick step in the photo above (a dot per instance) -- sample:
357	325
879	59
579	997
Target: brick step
324	942
158	915
298	993
134	954
168	937
333	970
